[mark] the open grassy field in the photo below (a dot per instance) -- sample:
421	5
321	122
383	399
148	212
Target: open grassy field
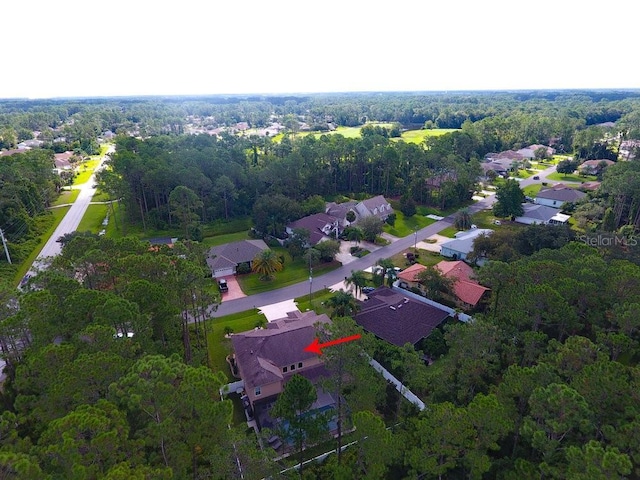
93	217
561	177
418	136
225	238
66	196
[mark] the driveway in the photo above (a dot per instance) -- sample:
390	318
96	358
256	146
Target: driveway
235	291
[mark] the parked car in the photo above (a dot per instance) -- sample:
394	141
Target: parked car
368	289
497	222
536	177
222	285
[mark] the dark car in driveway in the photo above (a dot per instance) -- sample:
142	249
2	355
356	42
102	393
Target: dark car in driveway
222	285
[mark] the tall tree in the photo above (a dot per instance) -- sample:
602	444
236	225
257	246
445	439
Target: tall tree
509	199
184	204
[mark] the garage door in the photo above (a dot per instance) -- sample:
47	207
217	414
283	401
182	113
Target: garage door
223	272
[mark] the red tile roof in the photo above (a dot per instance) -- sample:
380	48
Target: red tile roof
410	274
465	288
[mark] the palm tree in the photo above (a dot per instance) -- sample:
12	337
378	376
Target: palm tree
266	263
387	270
357	279
463	220
343	304
355	235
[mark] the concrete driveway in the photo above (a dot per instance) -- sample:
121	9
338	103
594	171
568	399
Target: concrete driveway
235	291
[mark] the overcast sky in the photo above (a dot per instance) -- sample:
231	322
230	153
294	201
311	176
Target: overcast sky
139	47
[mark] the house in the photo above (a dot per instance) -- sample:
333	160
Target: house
593	167
224	259
319	226
590	186
267	358
62	161
541	214
409	276
530	151
340	211
466	289
398	319
558	195
499	167
462	245
377	206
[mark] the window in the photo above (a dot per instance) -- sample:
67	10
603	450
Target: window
293	367
284	369
299	364
258	391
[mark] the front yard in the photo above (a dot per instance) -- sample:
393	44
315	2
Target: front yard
407	225
294	271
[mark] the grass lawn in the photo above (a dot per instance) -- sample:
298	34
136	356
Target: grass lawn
449	232
532	190
66	196
85	170
57	216
418	136
484	219
406	225
93	217
293	272
225	238
525	173
219	346
426	258
561	177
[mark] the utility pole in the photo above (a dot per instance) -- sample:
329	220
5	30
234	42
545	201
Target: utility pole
4	242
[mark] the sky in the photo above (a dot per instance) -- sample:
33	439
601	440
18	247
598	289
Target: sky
83	48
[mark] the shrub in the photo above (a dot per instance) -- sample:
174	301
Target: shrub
243	268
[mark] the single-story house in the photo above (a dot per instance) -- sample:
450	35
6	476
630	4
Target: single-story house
409	276
224	259
319	226
497	167
541	214
590	186
267	358
462	245
593	167
62	162
467	290
398	319
530	151
558	195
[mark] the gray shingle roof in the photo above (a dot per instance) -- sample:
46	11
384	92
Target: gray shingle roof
314	225
398	319
538	212
563	194
231	254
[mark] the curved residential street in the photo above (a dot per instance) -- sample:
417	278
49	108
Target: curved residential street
335	276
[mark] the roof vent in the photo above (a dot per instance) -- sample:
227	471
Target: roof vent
392	307
406	300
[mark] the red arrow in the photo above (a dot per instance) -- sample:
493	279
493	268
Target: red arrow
316	346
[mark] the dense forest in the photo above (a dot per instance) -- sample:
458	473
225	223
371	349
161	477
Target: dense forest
107	351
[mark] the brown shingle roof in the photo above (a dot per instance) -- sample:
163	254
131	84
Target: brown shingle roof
261	354
397	319
314	225
561	193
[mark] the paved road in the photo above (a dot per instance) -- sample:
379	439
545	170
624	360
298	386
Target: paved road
70	221
301	289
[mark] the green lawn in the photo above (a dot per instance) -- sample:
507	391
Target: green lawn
293	272
561	177
226	238
407	225
93	217
66	196
484	219
85	170
525	173
57	216
418	136
219	346
426	258
532	190
449	232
